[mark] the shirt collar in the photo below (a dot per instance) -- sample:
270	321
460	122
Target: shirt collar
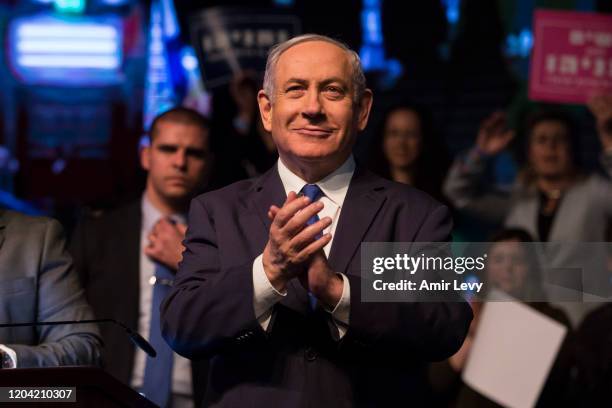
334	185
150	214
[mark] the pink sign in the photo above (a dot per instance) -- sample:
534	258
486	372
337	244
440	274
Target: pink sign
572	56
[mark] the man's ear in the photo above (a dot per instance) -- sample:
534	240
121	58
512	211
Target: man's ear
265	110
145	157
365	105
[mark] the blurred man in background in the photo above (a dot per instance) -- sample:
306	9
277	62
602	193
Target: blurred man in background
39	284
133	252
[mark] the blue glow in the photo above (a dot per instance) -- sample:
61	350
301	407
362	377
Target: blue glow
70	6
453	8
170	23
525	41
373	26
116	2
519	45
372	52
284	3
188	59
159	94
395	68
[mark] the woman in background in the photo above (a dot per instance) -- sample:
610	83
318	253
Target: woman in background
407	150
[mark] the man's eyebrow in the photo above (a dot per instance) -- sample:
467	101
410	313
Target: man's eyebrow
334	79
198	151
167	146
296	81
340	81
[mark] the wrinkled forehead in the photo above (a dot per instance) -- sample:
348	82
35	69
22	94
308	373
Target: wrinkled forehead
314	60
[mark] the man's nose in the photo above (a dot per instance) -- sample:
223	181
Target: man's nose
313	108
180	160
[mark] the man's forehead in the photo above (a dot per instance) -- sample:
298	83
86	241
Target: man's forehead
320	59
177	133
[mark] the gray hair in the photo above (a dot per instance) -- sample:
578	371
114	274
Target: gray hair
276	51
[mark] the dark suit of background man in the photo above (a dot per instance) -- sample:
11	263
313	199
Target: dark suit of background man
279	310
39	284
128	257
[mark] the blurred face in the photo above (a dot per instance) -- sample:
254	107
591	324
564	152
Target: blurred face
549	149
312	116
177	161
402	139
507	266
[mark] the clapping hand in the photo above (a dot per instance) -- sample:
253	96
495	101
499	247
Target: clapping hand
314	272
291	242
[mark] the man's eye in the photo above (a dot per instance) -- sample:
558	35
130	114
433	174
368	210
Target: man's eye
334	91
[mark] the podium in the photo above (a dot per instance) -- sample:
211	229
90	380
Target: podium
94	387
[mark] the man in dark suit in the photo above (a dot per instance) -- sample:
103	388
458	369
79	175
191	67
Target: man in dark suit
128	257
269	284
39	284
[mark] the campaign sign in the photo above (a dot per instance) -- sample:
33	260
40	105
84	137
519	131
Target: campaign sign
233	39
572	56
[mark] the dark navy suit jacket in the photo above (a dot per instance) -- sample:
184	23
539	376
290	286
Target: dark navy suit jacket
299	360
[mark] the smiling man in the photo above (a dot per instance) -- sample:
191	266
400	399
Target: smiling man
269	285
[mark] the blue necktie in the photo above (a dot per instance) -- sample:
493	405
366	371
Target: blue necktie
313	192
157	380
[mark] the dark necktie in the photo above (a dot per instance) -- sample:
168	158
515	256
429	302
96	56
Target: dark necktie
157	380
313	192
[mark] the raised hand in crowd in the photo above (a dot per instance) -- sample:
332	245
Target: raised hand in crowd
601	107
166	243
494	135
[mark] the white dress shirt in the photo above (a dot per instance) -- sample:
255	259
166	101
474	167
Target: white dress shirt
334	188
181	368
12	356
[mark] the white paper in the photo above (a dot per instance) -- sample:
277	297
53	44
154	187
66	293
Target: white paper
513	351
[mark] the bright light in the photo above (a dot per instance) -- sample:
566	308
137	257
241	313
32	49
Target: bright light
52	49
188	59
67	30
57	43
68	46
70	6
68	61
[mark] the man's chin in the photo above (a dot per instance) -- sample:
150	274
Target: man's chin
177	193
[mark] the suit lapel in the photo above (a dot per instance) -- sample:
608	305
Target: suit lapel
268	190
363	200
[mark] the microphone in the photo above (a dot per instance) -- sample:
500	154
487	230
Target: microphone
136	338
